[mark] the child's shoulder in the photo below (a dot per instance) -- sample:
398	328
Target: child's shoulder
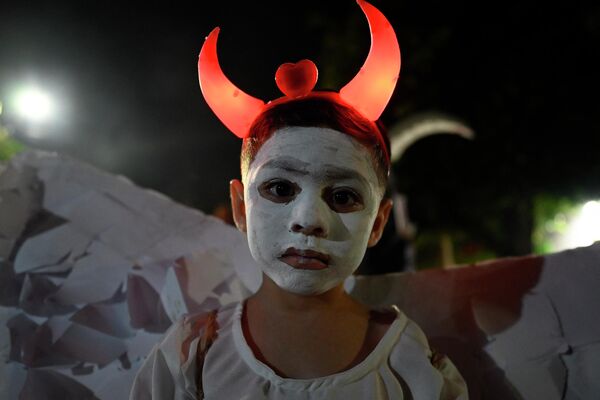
421	366
408	328
194	327
170	370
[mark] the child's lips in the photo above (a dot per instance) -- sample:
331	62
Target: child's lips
305	259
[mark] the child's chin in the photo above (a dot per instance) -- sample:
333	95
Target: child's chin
306	286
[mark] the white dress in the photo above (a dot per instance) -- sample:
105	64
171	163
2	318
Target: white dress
400	367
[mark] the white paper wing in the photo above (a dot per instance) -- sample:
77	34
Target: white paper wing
93	270
517	328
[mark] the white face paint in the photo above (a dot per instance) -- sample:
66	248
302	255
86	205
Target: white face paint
311	196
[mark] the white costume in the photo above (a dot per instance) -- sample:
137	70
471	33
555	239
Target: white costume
400	367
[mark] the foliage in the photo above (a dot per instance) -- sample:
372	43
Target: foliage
8	146
551	218
466	248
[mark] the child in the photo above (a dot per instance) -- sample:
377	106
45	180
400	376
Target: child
311	200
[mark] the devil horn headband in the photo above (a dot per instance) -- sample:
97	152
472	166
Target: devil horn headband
368	92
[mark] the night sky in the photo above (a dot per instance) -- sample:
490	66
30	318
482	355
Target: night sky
522	74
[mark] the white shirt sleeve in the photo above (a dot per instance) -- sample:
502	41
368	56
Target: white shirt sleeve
428	374
169	372
454	386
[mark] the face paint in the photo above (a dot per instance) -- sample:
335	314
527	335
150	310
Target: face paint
311	197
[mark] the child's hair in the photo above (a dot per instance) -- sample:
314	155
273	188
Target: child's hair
318	112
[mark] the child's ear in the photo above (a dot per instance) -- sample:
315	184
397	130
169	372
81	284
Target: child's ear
380	220
238	207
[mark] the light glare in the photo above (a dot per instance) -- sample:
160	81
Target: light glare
583	229
591	210
34	105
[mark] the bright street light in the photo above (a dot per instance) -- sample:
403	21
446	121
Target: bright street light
34	105
583	229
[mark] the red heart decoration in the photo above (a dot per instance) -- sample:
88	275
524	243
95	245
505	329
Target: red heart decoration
296	79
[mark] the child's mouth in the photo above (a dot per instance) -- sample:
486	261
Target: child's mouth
305	259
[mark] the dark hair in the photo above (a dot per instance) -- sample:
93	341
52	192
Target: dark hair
320	112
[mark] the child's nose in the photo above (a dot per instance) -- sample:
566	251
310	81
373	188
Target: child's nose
309	230
309	218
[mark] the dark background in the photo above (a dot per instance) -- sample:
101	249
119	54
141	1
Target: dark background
522	74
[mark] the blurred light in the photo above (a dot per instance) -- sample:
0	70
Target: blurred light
583	229
34	105
407	132
591	210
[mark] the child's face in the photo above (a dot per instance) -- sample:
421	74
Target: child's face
311	199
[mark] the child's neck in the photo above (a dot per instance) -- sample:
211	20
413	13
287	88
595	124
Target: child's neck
281	302
306	336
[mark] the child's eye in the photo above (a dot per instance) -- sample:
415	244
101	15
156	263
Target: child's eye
344	200
279	191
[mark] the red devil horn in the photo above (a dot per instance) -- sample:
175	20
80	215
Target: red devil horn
236	109
371	89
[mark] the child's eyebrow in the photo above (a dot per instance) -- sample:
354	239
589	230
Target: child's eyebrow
333	172
288	164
